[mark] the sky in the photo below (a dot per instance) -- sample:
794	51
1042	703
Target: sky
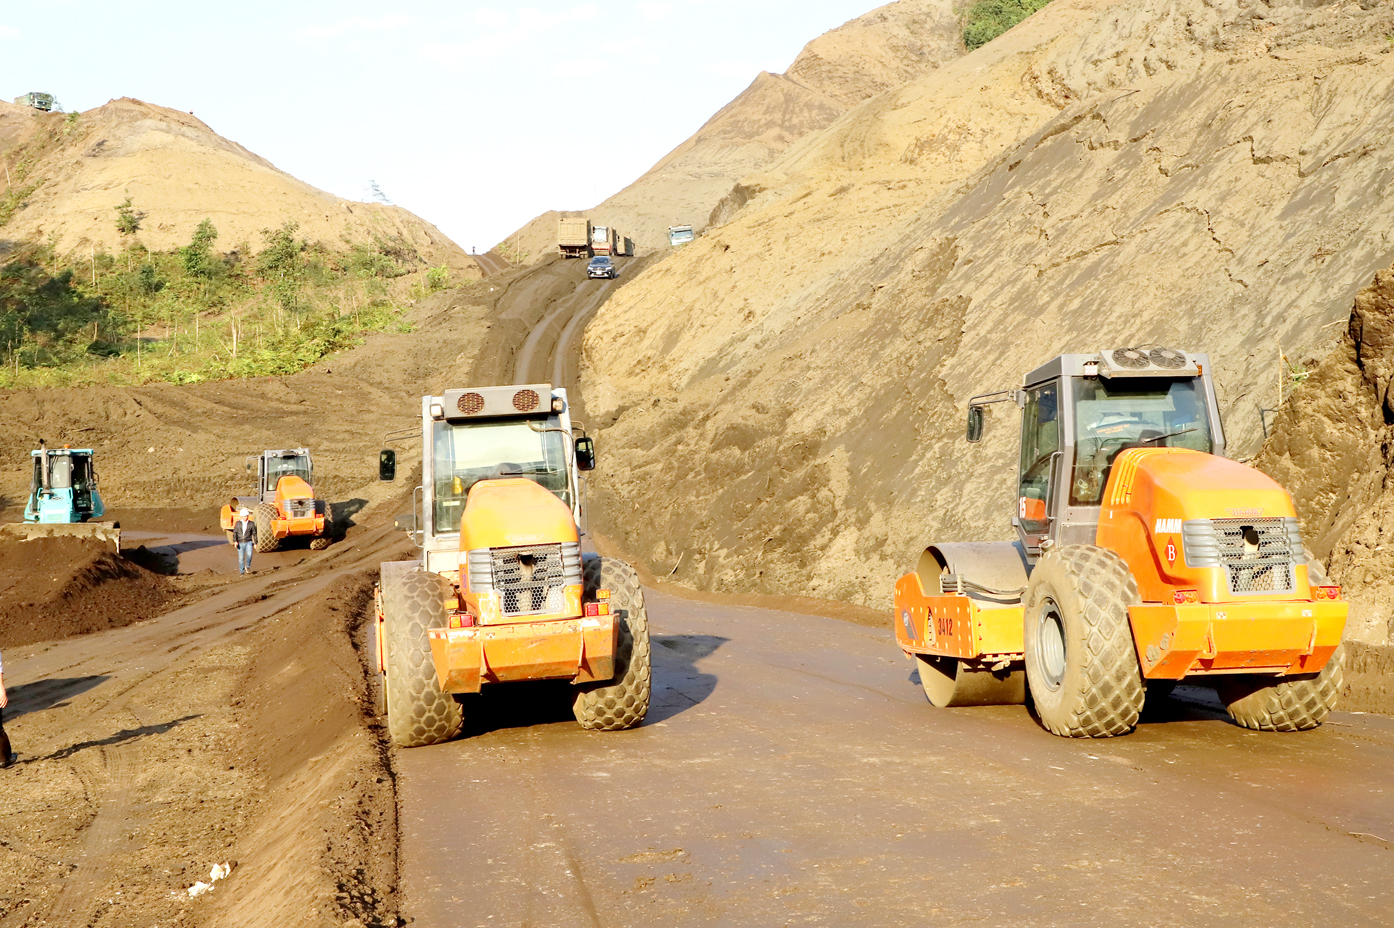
475	116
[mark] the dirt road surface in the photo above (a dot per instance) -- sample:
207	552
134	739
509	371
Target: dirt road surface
792	773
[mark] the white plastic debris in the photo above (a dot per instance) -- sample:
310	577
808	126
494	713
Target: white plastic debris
219	871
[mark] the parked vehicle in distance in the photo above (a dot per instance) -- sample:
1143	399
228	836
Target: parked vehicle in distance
39	101
602	266
679	235
574	237
605	240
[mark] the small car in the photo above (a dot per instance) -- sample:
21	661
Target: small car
602	266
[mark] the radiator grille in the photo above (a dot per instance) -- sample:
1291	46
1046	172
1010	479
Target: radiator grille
1257	554
300	508
531	580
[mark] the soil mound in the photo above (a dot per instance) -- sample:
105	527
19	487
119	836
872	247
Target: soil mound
834	72
53	588
74	169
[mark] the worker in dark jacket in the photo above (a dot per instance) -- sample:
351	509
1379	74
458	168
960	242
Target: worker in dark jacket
6	758
244	535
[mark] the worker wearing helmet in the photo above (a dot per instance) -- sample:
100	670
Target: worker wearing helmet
244	536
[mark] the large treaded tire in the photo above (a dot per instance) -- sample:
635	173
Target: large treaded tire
1296	703
325	538
1081	665
418	713
266	541
623	701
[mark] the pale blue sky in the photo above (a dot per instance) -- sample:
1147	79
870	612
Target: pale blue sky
464	113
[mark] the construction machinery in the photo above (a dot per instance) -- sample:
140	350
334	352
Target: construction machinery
574	237
605	240
502	592
679	235
1143	557
39	101
64	498
283	502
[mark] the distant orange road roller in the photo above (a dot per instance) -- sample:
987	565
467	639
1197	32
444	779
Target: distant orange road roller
1143	557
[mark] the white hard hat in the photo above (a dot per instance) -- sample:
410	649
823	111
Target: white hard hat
245	512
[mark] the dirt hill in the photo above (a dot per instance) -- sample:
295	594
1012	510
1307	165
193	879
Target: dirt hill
1112	172
859	59
69	172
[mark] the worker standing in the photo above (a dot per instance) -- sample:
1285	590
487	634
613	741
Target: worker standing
6	758
244	535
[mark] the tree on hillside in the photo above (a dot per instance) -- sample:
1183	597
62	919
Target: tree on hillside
282	263
197	256
128	218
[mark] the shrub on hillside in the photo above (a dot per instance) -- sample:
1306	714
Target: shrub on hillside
987	19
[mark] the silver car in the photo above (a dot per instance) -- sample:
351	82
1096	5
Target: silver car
602	266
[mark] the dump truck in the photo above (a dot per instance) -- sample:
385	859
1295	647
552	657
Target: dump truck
64	497
626	246
604	240
679	235
283	502
502	592
39	101
574	237
1143	557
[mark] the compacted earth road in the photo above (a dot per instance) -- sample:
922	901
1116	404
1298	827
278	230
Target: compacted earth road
791	773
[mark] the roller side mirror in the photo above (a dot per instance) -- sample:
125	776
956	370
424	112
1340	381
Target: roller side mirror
585	453
975	423
387	464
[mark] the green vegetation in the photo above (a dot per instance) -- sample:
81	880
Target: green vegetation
987	19
194	314
128	218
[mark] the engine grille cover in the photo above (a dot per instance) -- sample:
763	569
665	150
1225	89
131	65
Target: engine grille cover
530	579
1257	555
300	508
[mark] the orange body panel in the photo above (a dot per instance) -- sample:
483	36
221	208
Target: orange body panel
1206	638
1150	492
952	624
1158	488
580	650
512	512
291	487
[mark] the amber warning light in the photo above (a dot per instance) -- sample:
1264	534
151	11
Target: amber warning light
1182	597
1326	592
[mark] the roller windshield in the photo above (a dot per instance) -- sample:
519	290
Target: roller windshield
467	452
1111	416
293	465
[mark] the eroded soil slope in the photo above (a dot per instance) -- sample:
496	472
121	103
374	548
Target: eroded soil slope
1201	174
859	59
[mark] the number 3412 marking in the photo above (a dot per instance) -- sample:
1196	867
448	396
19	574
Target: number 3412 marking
943	625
